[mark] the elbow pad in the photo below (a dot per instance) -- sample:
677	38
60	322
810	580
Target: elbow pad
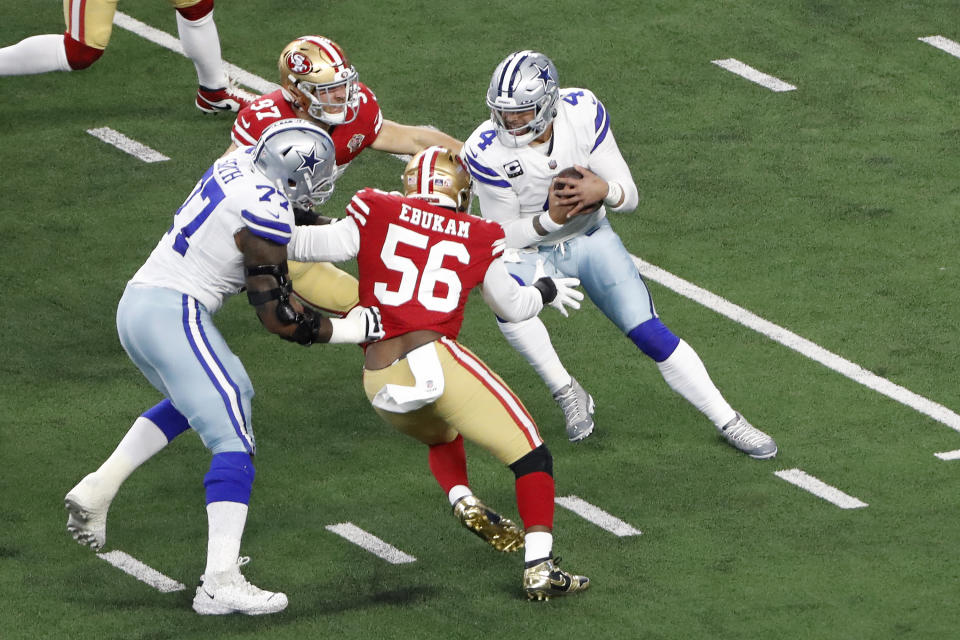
308	323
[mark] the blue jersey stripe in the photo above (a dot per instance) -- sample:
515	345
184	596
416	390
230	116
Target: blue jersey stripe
473	164
267	235
603	131
601	114
276	225
494	183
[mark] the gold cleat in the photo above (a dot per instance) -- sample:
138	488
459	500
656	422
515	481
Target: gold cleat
499	532
545	580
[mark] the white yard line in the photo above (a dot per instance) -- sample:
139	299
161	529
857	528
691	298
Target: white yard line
949	455
597	516
801	345
944	44
168	41
127	145
148	575
702	296
370	542
745	71
819	488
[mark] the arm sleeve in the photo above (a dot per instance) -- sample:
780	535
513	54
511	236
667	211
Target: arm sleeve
506	297
608	163
327	243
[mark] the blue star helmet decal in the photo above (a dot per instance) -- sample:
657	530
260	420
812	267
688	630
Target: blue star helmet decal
309	161
543	74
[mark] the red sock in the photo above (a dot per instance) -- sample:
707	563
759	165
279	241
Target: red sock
448	463
197	11
535	493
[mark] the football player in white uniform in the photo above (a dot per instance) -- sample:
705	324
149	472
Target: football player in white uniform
89	24
232	232
535	131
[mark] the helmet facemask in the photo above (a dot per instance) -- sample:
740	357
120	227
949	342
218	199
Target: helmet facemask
524	81
332	103
300	159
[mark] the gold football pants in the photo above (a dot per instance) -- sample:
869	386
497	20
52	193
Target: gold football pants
91	21
475	402
322	285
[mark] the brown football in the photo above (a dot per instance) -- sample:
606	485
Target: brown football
571	172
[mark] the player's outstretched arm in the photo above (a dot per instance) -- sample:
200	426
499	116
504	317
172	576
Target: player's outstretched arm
268	290
515	303
404	138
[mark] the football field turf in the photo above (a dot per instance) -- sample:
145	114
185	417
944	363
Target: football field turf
798	227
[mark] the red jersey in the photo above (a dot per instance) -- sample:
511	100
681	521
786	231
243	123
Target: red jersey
349	139
418	261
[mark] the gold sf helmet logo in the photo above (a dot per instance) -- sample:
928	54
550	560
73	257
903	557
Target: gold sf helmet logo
299	63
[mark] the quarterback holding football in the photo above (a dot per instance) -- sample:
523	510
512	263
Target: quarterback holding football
535	130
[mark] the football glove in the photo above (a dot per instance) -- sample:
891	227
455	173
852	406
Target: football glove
564	294
361	324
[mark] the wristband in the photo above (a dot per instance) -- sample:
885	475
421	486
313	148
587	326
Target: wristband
546	223
614	194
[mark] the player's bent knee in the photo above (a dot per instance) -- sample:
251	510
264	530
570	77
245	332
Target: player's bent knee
538	460
230	478
170	421
79	55
654	339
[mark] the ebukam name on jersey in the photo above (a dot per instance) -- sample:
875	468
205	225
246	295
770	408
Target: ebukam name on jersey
434	221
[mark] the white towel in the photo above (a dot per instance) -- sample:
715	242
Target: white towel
425	366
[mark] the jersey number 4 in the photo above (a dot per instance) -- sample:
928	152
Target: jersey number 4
414	281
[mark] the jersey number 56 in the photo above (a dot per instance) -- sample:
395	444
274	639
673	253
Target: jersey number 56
413	280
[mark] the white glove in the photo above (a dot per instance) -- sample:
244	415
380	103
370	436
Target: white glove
362	324
566	296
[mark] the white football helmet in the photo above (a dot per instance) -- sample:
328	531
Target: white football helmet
525	80
300	158
437	175
316	74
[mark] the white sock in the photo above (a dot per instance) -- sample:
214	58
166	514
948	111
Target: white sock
225	522
457	492
36	54
201	43
143	441
537	545
685	373
531	340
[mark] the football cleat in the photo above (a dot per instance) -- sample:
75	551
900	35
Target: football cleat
227	99
546	579
499	532
578	409
87	513
229	592
744	436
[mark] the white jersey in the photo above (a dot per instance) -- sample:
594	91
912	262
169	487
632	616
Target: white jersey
198	255
513	183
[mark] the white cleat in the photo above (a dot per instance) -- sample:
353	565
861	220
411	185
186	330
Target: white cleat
87	508
229	592
744	436
578	409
